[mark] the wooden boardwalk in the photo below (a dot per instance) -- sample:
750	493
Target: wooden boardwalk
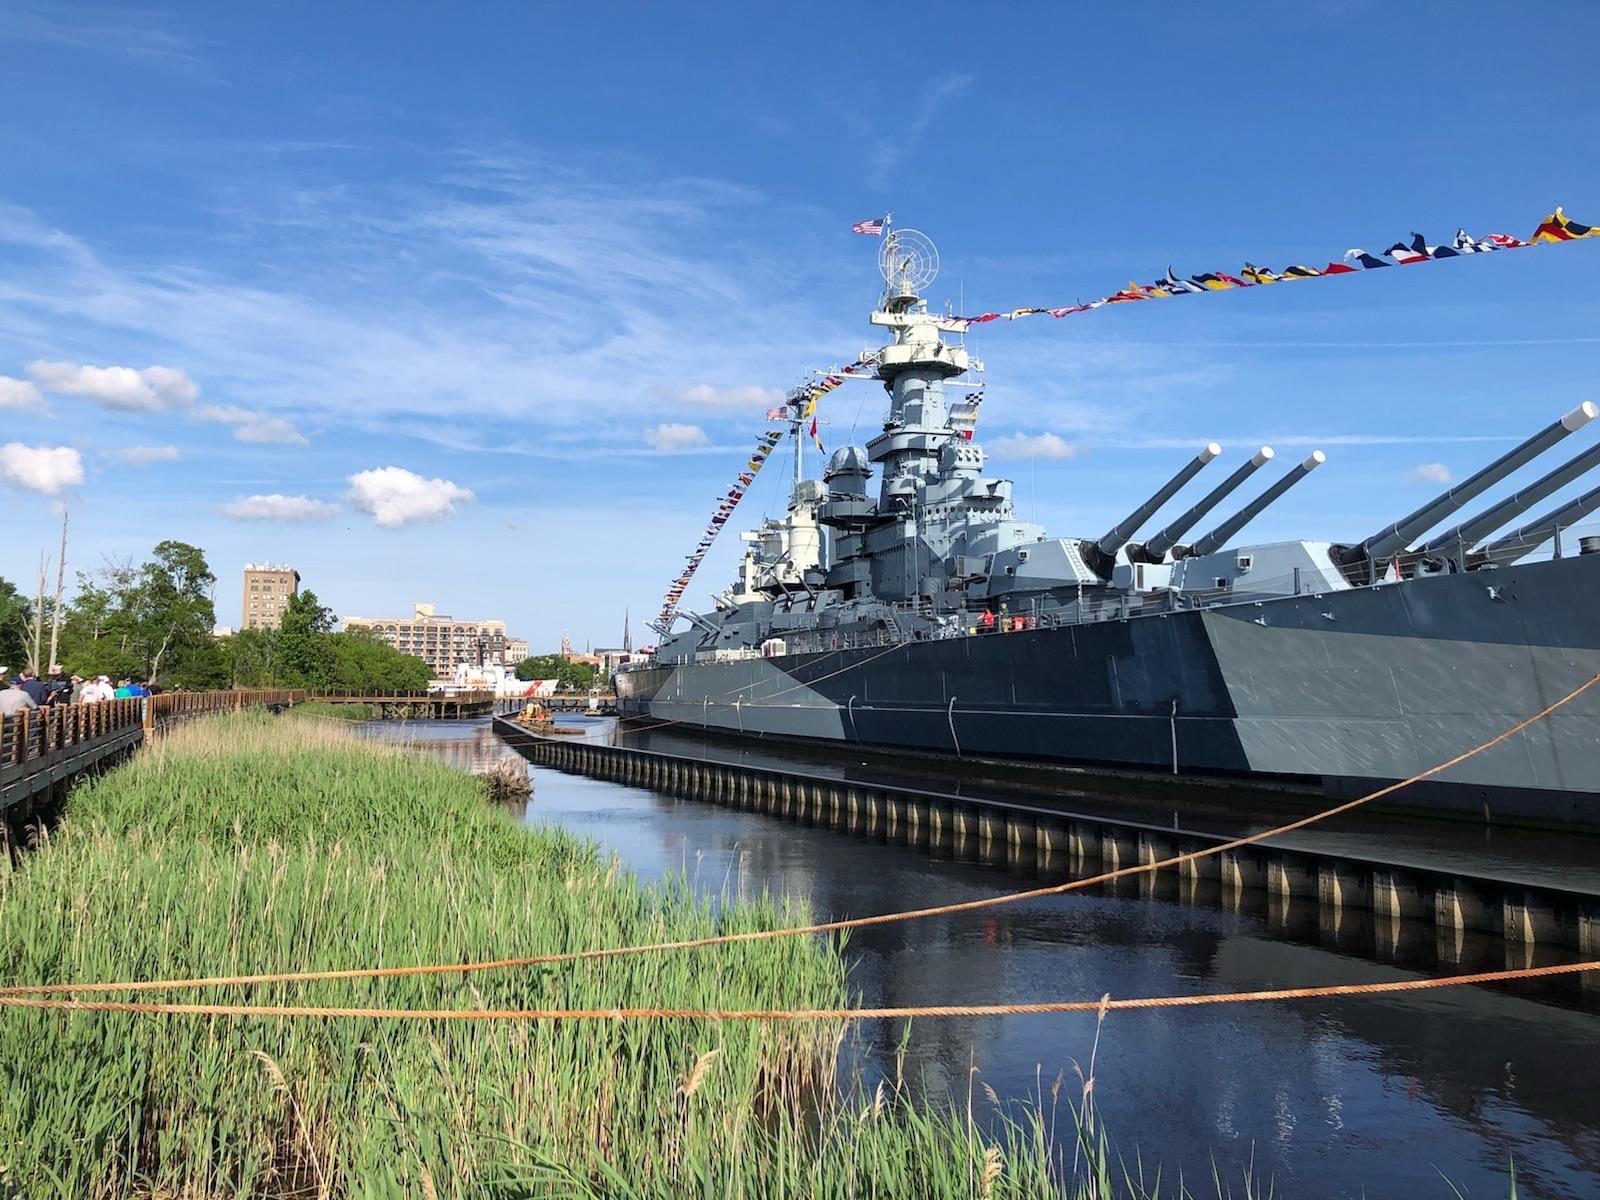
416	706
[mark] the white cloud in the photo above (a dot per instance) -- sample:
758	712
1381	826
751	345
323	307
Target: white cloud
46	469
672	436
1429	473
395	496
19	393
143	456
252	426
1031	445
276	507
703	395
149	390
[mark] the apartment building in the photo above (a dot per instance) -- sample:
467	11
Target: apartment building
439	639
267	589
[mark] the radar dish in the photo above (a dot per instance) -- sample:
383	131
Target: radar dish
909	261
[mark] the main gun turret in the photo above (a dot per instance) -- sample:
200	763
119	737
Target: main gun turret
1155	549
1222	534
1363	563
1101	555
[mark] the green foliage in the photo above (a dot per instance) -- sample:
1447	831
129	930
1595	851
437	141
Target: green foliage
151	621
304	653
14	621
360	662
335	712
302	633
569	676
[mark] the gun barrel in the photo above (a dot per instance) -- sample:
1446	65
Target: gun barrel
1506	550
1394	538
1158	546
1472	531
1222	534
1118	535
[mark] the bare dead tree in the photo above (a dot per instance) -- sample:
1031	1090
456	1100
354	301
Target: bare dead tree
61	580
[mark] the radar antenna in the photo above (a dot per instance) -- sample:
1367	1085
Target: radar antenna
909	261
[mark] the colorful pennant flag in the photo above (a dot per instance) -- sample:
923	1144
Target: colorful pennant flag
1557	227
726	503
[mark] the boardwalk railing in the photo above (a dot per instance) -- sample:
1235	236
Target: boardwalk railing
39	747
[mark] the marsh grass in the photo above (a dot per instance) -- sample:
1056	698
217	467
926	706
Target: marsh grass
246	844
338	712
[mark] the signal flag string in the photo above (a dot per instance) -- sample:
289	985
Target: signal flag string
1555	228
14	994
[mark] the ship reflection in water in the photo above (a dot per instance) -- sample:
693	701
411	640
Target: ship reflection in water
1330	1098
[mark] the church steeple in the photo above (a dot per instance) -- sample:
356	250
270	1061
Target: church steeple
627	638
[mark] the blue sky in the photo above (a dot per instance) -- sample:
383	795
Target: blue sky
432	283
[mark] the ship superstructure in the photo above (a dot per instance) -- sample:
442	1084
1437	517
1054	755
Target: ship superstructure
1339	662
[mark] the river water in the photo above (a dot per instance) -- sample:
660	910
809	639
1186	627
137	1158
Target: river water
1383	1096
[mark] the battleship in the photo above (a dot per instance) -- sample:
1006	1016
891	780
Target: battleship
925	615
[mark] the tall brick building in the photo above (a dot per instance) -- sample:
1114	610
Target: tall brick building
267	589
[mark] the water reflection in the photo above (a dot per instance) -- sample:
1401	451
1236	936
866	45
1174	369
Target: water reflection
1339	1098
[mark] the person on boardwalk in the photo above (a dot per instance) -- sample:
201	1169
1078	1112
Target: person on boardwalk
95	691
34	686
15	699
58	688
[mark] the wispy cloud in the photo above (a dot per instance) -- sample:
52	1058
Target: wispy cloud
1431	472
746	398
514	289
146	390
895	146
673	435
276	507
19	394
112	30
143	456
252	426
1033	445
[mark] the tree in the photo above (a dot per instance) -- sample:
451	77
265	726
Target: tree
360	662
14	618
569	676
303	631
173	614
252	658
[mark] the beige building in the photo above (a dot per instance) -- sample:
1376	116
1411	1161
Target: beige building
438	639
516	650
267	589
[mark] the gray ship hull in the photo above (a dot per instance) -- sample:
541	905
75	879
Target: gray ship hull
1346	690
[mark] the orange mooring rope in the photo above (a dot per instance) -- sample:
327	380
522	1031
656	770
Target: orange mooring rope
139	985
1105	1004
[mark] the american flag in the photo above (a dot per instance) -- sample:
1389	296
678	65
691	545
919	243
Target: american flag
873	228
777	414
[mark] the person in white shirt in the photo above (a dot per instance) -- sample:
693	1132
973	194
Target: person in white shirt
95	691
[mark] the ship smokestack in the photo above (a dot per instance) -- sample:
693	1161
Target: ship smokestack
1506	550
1222	534
1119	534
1470	532
1392	539
1156	548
